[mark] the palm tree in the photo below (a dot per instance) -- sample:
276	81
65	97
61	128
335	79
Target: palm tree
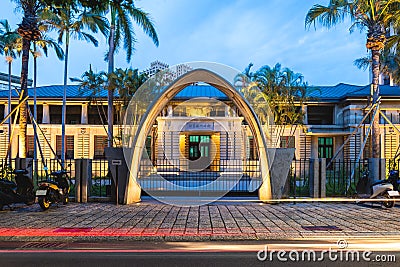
122	12
29	31
69	24
377	17
127	82
10	46
284	91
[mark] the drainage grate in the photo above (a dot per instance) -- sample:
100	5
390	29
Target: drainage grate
73	230
322	228
34	245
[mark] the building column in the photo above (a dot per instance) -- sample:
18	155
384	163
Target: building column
336	111
305	116
314	147
46	113
84	114
5	110
227	111
170	111
337	143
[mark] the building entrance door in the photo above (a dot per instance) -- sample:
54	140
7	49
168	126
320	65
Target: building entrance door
199	152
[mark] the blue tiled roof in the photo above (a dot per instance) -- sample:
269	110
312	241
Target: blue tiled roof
343	90
56	91
193	91
337	92
385	90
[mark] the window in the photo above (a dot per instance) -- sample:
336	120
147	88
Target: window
73	114
39	113
287	142
325	147
29	146
100	142
97	114
69	146
217	112
55	112
2	111
199	146
253	152
320	115
148	147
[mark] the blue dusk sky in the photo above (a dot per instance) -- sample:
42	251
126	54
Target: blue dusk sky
231	32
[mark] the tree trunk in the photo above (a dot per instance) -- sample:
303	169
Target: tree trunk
9	111
23	114
110	100
375	135
64	102
34	108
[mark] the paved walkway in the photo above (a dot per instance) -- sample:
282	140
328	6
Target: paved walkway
151	220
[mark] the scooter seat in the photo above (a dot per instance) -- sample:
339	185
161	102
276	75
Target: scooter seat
8	184
22	171
376	182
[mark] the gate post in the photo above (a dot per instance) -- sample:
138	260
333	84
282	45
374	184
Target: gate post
317	178
25	163
83	169
377	169
322	177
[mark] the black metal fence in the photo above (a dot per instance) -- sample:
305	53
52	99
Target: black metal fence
235	176
342	176
100	182
340	179
392	164
41	170
299	178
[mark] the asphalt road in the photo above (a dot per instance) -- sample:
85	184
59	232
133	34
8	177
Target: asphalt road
198	253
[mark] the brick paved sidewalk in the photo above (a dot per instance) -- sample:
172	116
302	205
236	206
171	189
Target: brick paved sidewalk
150	220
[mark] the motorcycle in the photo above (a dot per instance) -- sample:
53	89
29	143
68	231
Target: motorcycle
394	179
56	191
379	189
20	191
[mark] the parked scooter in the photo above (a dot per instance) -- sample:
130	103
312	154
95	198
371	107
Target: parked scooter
379	189
20	191
56	191
394	179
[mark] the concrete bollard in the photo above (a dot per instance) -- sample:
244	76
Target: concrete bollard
83	170
317	178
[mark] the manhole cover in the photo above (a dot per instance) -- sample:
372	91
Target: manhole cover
322	228
73	230
33	245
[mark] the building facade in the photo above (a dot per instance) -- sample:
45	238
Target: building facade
203	123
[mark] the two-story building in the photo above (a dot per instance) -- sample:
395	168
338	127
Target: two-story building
330	117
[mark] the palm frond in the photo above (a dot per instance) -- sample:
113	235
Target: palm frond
144	20
327	16
87	37
363	63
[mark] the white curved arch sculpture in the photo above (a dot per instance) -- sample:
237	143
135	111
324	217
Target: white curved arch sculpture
156	107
